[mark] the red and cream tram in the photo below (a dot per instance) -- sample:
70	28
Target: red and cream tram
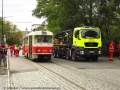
38	45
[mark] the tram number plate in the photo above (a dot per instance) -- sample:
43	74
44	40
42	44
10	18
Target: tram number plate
91	51
43	32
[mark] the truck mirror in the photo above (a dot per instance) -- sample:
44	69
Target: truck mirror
78	37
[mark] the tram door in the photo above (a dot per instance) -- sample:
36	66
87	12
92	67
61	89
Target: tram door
30	46
23	47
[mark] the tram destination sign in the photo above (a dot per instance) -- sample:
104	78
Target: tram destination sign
44	33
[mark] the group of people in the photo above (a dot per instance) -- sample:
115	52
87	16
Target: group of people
112	49
14	50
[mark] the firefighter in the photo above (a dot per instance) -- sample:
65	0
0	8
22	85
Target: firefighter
111	50
11	49
17	48
118	47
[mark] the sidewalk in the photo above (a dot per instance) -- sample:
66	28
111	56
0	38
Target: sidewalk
3	78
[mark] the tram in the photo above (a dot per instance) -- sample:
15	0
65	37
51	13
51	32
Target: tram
38	45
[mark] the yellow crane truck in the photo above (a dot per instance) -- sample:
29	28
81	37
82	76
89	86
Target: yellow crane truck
82	42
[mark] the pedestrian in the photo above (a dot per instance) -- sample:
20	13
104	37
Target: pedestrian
3	53
11	49
17	48
111	50
14	49
118	47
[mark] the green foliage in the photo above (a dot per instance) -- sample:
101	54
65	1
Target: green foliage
67	14
13	35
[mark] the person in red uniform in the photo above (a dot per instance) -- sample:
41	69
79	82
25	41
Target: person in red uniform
17	48
118	47
14	49
11	49
111	50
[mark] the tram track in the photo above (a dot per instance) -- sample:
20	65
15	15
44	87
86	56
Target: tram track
84	80
65	83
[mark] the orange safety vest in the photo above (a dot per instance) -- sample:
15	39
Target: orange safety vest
111	47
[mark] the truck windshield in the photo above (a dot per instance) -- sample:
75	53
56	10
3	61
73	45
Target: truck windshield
38	39
90	33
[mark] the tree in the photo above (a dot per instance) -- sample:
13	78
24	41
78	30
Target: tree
66	14
13	35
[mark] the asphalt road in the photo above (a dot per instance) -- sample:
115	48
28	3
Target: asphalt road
102	63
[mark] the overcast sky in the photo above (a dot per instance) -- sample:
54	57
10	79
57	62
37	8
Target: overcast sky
19	12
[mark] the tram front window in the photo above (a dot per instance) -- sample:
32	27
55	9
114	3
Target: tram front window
45	39
42	39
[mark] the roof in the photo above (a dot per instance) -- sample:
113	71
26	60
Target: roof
39	33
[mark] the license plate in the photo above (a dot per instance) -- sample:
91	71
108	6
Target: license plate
91	51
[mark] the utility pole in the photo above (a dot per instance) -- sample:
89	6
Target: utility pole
2	24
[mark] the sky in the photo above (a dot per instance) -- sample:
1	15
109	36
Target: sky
19	12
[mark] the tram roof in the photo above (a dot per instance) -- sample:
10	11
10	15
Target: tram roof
39	33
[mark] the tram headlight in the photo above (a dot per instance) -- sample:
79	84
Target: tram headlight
50	50
38	50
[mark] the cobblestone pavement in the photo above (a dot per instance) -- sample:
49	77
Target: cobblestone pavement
90	79
28	75
3	81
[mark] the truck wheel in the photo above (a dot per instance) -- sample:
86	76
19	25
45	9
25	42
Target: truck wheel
55	54
58	55
67	55
74	56
95	59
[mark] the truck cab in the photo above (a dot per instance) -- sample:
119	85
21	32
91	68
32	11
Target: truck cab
86	43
